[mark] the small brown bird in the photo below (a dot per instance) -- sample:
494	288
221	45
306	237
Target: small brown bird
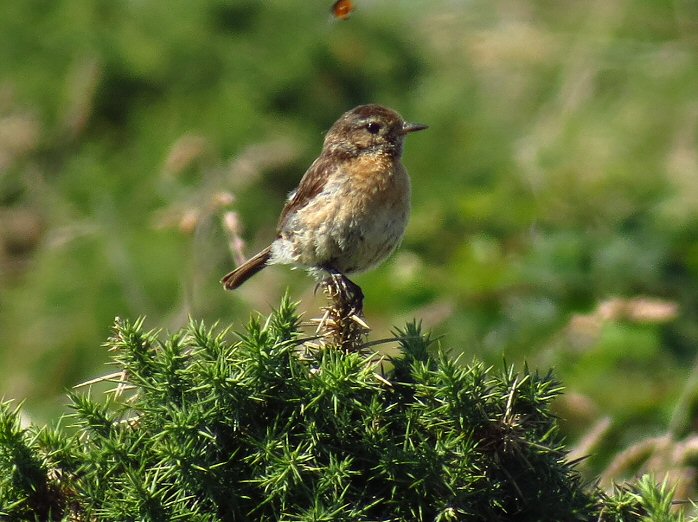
352	205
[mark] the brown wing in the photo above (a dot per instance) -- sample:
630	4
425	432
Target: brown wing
311	185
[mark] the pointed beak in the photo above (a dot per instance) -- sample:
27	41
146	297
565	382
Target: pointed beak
413	127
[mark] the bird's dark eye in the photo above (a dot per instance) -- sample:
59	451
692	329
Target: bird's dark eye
373	127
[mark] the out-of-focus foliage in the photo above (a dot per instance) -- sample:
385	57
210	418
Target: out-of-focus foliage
555	193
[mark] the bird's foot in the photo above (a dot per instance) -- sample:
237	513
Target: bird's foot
347	295
344	317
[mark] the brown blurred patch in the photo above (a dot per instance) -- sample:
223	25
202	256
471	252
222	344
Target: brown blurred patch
19	135
20	232
662	457
185	153
585	329
81	88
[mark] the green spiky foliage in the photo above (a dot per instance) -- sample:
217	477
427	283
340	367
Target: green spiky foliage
208	427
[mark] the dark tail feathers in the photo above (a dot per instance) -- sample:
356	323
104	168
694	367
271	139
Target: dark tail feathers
246	270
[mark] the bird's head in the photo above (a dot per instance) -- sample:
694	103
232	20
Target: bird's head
369	129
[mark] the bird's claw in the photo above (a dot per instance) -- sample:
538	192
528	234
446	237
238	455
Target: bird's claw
349	294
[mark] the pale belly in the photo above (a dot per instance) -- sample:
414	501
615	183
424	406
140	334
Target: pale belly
346	229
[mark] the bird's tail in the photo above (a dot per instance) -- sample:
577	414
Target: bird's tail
246	270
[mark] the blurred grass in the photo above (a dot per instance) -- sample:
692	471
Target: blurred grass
555	192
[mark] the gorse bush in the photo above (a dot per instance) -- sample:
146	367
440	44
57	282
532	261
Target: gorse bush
200	427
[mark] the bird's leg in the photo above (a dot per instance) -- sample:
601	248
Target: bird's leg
349	293
343	321
355	296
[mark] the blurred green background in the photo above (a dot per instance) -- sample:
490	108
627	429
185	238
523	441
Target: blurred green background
144	146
